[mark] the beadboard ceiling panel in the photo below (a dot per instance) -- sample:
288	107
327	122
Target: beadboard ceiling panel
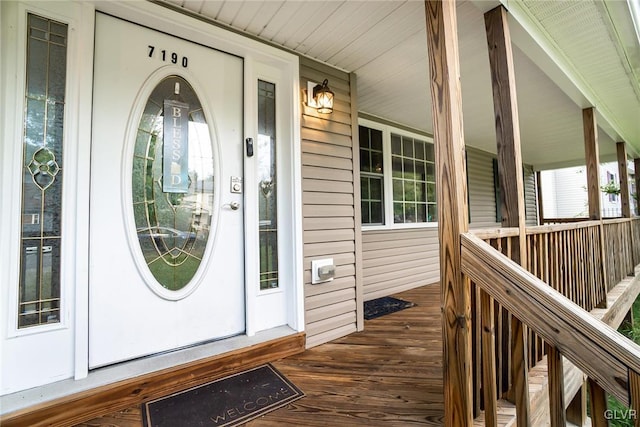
384	44
329	39
583	30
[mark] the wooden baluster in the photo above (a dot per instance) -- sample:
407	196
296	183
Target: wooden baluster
488	360
594	275
567	266
632	244
556	387
502	348
560	265
592	271
571	273
477	350
636	168
581	255
598	399
604	268
584	260
520	371
577	409
533	255
586	269
547	259
575	270
553	248
634	396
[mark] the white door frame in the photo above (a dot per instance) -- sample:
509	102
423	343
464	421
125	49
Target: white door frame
212	305
260	62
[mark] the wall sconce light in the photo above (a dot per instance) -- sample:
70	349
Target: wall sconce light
321	97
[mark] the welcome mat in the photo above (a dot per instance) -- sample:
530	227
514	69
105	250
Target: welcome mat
227	402
385	305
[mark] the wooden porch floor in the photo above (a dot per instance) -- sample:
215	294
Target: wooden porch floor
388	375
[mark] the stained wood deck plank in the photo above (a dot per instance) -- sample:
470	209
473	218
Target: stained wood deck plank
388	375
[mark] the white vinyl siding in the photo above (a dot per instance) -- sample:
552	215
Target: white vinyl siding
397	260
482	196
328	208
530	195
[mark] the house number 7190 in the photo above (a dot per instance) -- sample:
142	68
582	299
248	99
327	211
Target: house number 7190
168	57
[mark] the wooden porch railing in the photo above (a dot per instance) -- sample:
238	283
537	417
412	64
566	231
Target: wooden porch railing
621	258
575	260
635	240
568	257
562	220
610	360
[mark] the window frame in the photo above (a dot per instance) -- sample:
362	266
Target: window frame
613	198
387	176
372	176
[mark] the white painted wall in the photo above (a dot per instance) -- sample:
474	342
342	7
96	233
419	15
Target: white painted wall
564	192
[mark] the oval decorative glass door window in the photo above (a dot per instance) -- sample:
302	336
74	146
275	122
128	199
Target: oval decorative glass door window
172	183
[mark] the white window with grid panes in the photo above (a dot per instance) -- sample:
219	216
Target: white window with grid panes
397	177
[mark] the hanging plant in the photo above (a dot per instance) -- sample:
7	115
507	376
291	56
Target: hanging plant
611	188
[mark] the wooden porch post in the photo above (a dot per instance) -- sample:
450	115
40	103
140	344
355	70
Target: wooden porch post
623	172
592	157
511	181
444	70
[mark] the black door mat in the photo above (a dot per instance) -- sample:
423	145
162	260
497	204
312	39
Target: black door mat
385	305
229	401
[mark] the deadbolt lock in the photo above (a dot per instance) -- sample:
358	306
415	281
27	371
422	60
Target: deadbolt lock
236	184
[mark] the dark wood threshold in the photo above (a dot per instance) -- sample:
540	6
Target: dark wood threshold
79	407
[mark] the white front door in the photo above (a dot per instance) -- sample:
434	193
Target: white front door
166	222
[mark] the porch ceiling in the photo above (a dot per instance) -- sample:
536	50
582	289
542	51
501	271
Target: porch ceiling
595	48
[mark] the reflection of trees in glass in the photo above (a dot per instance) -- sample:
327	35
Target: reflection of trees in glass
39	289
371	175
413	172
267	186
173	228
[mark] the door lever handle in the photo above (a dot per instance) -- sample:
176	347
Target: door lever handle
233	205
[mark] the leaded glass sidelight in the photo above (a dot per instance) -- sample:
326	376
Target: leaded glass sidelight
39	289
268	207
172	183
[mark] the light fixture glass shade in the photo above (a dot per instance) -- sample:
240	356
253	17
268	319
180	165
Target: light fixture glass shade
323	97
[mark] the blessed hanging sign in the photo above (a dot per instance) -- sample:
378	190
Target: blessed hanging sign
175	164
